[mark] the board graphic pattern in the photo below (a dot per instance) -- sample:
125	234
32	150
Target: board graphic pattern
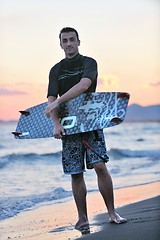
85	113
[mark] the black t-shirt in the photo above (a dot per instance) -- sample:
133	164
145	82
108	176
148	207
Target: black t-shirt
68	72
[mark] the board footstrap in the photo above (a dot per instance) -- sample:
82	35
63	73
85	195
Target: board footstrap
20	134
25	113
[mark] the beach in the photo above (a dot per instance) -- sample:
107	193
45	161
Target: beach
36	201
139	204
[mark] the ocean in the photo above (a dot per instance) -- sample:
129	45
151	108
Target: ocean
31	174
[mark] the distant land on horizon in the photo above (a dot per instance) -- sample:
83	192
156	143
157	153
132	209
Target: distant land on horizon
136	113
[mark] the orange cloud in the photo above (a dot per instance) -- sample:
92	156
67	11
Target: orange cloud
11	92
108	81
156	84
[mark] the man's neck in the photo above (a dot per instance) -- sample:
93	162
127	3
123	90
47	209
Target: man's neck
70	56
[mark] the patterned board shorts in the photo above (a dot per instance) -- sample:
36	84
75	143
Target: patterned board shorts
74	151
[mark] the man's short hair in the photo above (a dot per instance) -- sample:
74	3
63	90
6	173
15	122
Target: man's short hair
68	29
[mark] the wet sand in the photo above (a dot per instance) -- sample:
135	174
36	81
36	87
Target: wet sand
143	223
56	222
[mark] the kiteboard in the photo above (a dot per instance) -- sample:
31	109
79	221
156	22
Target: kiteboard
87	112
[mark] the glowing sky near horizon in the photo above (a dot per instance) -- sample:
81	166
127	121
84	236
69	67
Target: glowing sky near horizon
122	35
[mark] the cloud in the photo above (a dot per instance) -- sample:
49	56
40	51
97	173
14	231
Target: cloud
156	84
11	92
108	80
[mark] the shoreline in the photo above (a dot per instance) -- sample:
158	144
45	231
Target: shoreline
57	221
63	200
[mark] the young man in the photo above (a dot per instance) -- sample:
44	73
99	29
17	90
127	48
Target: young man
72	76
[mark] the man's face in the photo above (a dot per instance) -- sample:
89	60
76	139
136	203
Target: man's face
69	43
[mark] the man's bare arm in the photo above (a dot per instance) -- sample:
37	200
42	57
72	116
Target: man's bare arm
58	129
53	114
75	91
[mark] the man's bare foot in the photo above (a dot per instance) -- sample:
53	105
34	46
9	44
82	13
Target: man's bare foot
83	227
117	219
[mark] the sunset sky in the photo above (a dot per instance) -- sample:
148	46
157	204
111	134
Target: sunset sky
122	35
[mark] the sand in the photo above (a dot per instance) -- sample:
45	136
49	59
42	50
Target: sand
143	223
140	204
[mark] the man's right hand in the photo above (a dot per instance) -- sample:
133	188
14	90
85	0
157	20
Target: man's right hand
58	131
